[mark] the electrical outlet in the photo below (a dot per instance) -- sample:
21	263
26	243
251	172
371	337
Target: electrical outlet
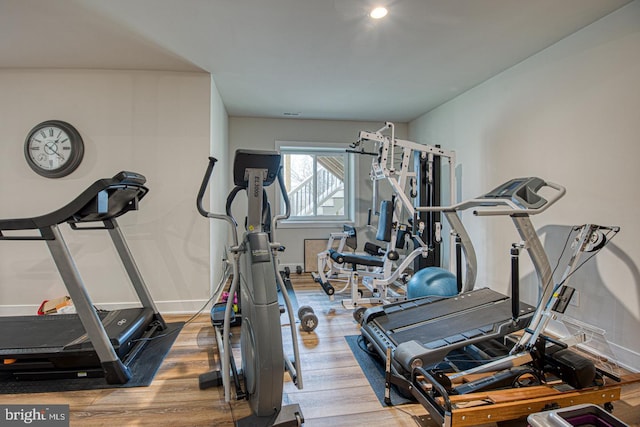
575	299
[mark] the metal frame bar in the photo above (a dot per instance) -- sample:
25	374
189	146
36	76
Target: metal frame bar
115	370
130	266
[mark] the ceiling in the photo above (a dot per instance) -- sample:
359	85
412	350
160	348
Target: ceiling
315	59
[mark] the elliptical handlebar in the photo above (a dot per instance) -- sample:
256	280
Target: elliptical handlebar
287	205
203	188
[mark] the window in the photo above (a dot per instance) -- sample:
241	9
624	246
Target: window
319	182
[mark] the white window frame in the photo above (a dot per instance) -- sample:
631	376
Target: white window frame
350	190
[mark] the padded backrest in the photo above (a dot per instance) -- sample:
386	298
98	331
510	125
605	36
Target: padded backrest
385	224
352	238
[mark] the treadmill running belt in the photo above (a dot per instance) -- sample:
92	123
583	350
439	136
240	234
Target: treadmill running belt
31	333
416	313
458	327
51	334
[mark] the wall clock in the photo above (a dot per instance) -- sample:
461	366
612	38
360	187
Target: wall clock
54	149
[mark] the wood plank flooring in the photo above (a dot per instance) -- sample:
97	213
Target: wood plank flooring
336	392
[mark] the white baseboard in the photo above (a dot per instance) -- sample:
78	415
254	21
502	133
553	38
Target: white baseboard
183	307
19	310
167	307
164	307
626	358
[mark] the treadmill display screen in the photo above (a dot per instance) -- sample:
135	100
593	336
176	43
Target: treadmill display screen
508	189
521	191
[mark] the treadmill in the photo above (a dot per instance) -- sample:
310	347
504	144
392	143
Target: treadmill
91	343
422	332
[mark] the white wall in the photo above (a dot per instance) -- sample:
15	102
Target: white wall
261	134
219	149
154	123
571	115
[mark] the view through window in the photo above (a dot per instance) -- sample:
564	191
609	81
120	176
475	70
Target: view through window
317	183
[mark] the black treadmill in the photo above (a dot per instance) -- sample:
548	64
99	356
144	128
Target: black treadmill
423	331
91	343
430	328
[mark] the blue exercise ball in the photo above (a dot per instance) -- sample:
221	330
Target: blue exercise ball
432	281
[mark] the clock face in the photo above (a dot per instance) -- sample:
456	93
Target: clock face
54	149
50	148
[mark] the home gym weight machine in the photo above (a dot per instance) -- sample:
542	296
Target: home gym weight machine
423	184
90	343
437	348
411	189
256	279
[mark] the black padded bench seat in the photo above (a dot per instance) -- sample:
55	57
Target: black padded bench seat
355	260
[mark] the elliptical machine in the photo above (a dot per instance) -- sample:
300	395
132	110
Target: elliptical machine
254	270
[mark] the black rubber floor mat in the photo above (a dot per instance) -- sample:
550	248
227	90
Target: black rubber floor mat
374	371
143	370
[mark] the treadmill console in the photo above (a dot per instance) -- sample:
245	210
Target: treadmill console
521	191
255	159
126	177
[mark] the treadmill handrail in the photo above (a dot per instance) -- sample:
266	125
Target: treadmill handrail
484	203
74	211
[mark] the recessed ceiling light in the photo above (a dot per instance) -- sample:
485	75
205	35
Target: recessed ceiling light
378	13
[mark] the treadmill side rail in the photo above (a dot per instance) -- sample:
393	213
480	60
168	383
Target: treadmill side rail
132	270
115	371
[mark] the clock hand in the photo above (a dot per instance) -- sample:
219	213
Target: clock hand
58	154
53	147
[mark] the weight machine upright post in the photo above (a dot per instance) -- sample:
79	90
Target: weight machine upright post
435	200
428	175
458	260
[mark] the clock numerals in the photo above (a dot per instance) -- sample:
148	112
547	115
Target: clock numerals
52	146
54	149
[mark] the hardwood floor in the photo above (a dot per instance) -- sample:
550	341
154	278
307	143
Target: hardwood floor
336	392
